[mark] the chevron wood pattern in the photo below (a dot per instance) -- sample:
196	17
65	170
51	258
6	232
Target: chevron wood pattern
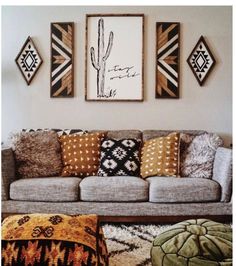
62	63
167	59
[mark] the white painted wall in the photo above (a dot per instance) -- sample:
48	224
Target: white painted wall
208	107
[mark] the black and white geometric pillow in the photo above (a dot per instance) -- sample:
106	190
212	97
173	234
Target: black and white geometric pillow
60	132
120	157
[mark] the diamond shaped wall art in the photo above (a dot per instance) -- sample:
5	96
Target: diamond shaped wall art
28	60
201	61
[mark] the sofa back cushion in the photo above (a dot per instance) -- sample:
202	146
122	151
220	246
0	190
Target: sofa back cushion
150	134
122	134
37	154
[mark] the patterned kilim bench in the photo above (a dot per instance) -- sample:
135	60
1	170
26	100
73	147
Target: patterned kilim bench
53	239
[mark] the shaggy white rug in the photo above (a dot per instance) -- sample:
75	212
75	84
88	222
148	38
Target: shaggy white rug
129	245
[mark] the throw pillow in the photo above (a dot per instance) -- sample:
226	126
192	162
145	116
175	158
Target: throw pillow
198	154
120	157
37	154
60	132
160	156
80	154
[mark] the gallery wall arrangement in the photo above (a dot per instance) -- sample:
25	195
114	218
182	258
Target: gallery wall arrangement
114	62
167	58
28	60
62	62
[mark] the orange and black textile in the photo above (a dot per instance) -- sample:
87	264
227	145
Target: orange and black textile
53	239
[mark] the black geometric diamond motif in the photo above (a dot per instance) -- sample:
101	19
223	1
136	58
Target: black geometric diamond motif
200	61
29	60
119	157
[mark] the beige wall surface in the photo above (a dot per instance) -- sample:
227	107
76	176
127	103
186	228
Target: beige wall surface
208	107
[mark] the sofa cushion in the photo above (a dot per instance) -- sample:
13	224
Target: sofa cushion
172	189
122	134
81	154
52	189
119	157
150	134
113	188
198	154
160	156
37	154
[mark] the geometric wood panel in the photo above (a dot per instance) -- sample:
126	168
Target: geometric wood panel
28	60
167	60
62	61
201	61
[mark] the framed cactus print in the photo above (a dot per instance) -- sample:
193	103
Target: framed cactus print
114	57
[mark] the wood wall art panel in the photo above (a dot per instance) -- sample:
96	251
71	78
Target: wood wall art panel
167	59
62	61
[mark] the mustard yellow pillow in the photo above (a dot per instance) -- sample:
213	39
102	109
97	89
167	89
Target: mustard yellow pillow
81	154
160	156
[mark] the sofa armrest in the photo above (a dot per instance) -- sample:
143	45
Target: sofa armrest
222	172
8	171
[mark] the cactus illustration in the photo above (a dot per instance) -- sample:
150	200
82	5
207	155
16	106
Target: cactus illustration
100	65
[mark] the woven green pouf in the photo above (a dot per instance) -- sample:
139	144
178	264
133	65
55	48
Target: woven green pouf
198	242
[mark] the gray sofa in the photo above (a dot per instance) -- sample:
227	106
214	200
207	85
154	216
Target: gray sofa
123	198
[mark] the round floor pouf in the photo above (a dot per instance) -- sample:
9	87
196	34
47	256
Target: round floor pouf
192	243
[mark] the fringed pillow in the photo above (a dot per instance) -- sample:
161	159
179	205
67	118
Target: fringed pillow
37	154
198	154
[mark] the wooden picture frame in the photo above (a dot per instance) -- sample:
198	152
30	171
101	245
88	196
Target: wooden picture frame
167	60
62	60
201	61
114	57
28	60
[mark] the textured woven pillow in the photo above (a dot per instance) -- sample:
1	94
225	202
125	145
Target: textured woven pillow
37	154
120	158
80	154
60	132
198	154
160	156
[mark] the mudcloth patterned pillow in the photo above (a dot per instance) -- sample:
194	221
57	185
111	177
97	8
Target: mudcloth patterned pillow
80	154
160	156
120	157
